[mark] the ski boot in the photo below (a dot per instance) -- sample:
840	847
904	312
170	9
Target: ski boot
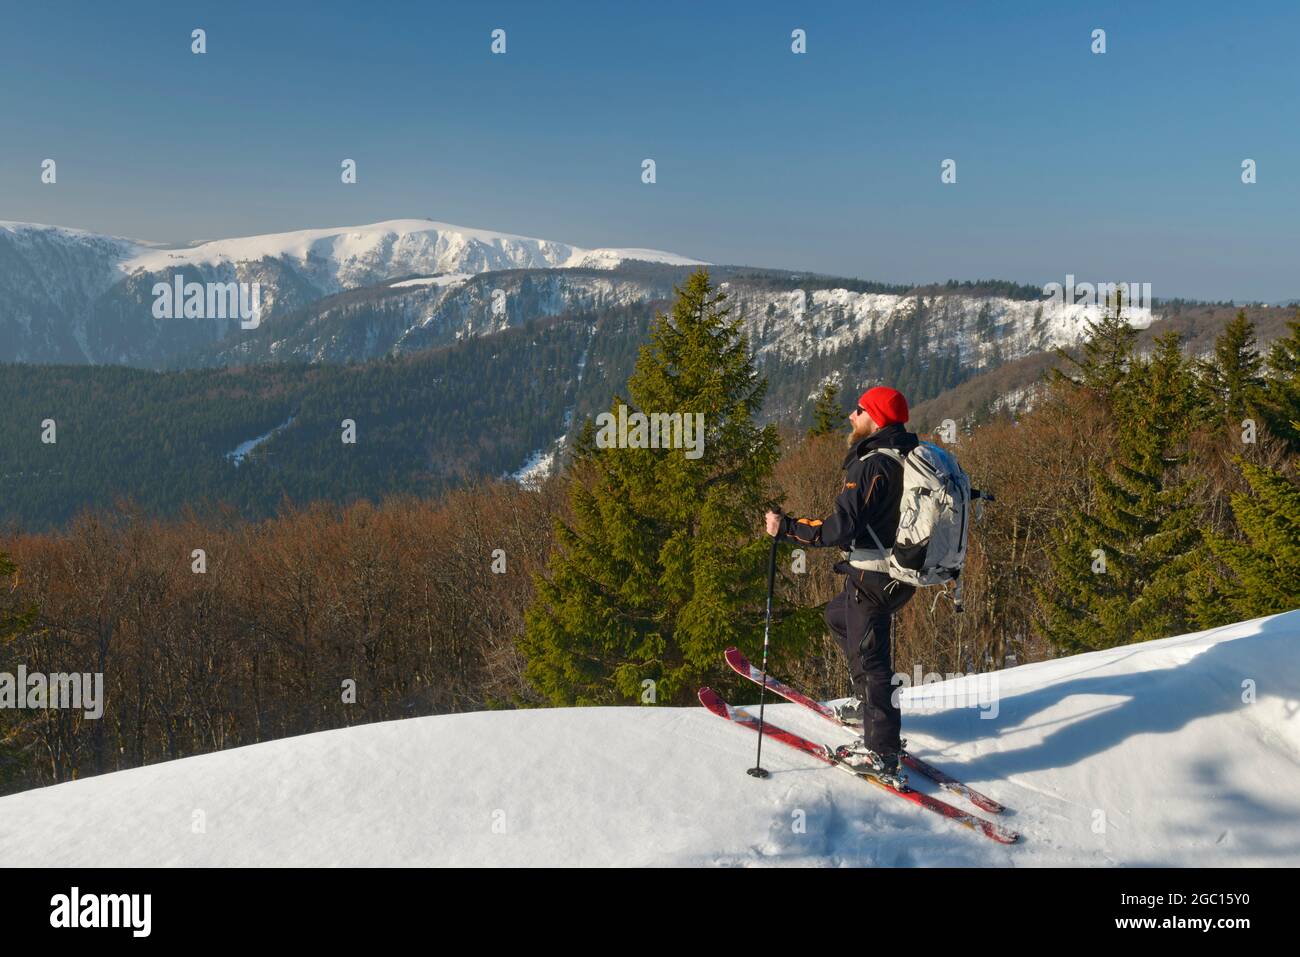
861	759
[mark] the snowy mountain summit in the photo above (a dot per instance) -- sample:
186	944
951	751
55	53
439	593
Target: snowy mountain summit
68	295
1182	751
342	257
351	256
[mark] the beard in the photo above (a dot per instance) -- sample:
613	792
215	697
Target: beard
860	431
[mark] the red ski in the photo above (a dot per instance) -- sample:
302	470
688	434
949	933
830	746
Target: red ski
709	698
741	665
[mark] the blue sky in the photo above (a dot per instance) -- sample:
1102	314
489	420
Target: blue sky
1122	167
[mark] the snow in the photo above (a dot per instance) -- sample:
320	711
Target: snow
66	270
539	465
341	244
242	450
609	258
417	243
452	280
64	232
64	264
804	325
1153	739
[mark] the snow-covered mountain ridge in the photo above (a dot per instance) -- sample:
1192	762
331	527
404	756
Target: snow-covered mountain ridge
803	323
69	295
352	256
346	257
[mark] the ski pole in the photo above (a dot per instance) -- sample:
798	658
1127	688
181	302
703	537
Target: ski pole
757	770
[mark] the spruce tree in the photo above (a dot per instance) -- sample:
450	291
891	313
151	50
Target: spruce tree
661	568
827	417
1231	381
1281	399
1107	353
1264	566
1119	568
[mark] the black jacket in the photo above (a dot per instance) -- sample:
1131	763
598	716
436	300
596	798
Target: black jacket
871	494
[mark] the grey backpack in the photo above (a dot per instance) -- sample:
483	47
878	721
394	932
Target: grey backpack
933	520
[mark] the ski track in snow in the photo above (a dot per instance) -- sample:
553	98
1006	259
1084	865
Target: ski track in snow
1152	739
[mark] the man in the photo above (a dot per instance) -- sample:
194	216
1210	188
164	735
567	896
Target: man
860	615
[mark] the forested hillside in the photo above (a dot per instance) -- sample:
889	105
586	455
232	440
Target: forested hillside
423	423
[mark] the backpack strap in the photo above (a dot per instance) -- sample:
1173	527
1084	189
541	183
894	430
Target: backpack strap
892	453
897	457
876	538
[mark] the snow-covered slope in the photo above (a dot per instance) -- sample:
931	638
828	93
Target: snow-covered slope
49	277
1140	755
351	256
346	256
800	324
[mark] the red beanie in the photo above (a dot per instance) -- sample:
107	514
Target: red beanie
886	406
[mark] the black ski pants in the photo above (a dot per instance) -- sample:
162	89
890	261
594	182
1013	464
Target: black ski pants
859	616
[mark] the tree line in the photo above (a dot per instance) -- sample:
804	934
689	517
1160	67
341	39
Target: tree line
1142	494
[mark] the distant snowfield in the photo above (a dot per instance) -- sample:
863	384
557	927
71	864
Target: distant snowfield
329	259
244	449
451	280
538	467
1144	755
835	318
415	244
